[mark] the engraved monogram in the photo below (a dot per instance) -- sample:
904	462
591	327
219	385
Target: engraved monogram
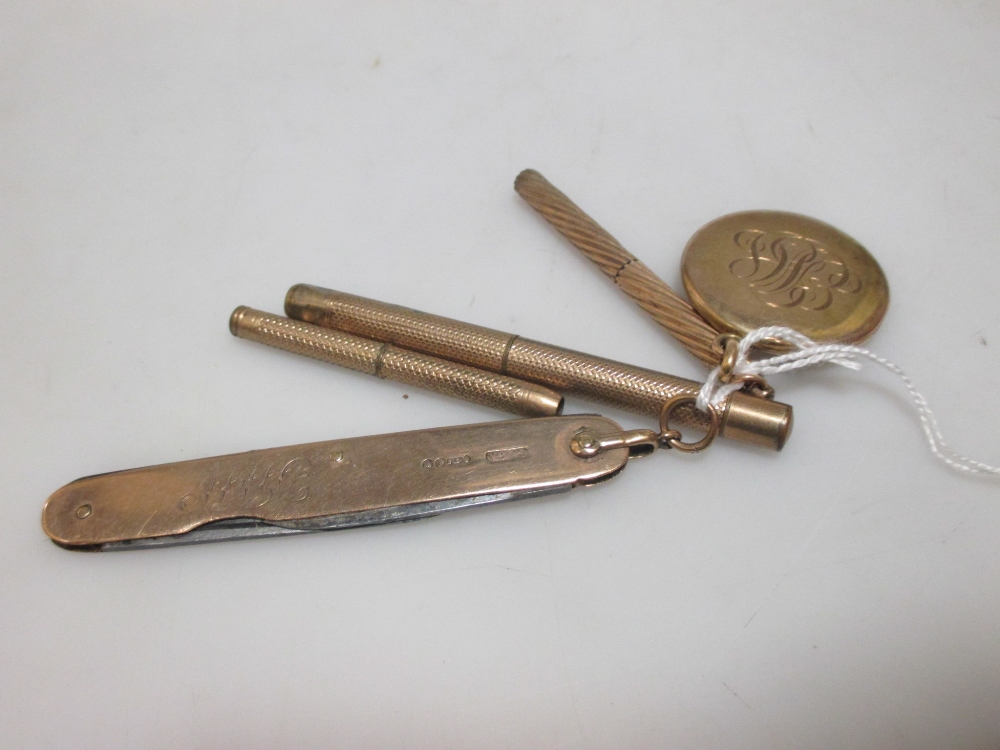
281	481
789	270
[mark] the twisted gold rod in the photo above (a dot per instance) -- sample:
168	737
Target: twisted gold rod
634	278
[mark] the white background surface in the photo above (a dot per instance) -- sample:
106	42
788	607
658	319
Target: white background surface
161	165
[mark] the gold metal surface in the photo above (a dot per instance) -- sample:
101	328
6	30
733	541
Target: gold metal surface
469	344
622	385
672	441
634	278
745	421
625	386
639	443
333	484
392	363
730	355
762	268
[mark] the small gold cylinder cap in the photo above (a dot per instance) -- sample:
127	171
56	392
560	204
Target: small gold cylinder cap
758	421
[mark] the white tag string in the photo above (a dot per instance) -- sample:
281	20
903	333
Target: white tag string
809	354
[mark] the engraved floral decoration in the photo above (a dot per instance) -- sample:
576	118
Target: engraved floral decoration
253	485
789	270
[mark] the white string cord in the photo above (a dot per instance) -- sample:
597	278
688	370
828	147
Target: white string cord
809	354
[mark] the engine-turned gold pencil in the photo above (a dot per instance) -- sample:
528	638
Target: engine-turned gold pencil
392	363
743	417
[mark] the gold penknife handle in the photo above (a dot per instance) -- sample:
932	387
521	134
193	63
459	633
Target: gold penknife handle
392	363
634	278
335	484
742	417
